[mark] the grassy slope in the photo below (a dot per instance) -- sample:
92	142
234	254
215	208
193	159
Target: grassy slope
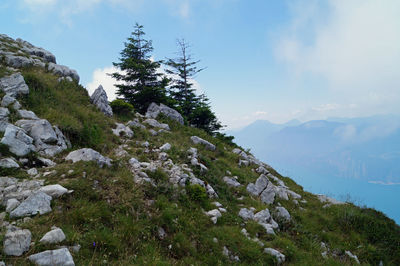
116	222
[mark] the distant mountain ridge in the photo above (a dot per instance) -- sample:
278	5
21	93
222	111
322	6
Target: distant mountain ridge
366	147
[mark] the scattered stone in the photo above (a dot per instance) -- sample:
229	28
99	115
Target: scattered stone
122	131
8	163
37	202
46	162
55	191
161	233
263	216
155	123
55	236
197	140
57	257
154	110
16	242
231	181
352	256
165	147
32	172
87	154
280	258
100	99
214	215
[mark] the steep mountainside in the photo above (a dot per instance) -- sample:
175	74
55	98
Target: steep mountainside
80	186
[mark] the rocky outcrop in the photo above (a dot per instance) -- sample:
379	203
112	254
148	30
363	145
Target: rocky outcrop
154	110
24	54
155	123
17	140
197	140
57	257
48	140
14	85
100	99
87	154
4	113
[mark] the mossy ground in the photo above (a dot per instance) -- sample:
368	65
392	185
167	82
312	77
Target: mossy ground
116	221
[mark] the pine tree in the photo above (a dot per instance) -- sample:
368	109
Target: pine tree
183	69
195	108
141	84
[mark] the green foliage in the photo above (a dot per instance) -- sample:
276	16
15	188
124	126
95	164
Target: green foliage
142	84
197	194
121	107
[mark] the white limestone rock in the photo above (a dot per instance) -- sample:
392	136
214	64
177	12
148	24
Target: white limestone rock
14	85
57	257
100	99
122	131
246	214
55	191
55	236
87	154
154	110
231	181
8	163
17	140
155	123
37	202
197	140
16	242
280	258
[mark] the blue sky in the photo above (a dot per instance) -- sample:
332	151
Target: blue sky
274	60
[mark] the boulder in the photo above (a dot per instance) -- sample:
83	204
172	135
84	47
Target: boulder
280	258
55	236
282	214
214	215
246	214
55	191
198	140
8	163
100	99
57	257
122	131
352	256
7	100
16	242
154	110
262	216
87	154
37	202
155	123
48	140
231	181
18	142
268	195
14	85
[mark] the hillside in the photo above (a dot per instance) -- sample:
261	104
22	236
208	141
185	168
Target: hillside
81	187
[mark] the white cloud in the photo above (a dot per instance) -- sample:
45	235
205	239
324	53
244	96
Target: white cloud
326	107
100	77
353	45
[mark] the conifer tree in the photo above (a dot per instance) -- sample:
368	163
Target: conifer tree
141	84
182	70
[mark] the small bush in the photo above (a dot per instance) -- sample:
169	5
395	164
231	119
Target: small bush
120	107
197	194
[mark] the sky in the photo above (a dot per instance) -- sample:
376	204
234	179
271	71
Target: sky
269	60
